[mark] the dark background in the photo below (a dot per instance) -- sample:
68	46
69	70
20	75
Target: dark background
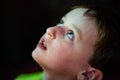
23	22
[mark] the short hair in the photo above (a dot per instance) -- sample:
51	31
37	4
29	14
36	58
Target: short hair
107	47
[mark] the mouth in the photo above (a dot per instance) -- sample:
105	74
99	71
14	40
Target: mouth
42	44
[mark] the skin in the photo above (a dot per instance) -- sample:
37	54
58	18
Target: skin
70	45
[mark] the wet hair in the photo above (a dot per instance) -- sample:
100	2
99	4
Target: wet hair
107	48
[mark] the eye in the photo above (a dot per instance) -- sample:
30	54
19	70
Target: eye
70	34
61	23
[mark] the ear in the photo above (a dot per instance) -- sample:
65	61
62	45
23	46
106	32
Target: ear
91	74
94	74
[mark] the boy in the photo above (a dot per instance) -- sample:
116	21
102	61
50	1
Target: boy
80	46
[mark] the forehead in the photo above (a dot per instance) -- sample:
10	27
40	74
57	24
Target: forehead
78	17
81	11
76	13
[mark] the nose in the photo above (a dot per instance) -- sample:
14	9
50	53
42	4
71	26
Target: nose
51	32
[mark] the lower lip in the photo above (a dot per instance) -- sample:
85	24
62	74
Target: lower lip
41	46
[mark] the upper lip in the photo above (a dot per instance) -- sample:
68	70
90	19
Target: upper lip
43	42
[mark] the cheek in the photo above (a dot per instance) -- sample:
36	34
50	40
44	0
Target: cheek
60	56
64	58
59	53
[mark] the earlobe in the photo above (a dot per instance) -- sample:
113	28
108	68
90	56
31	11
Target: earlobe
91	74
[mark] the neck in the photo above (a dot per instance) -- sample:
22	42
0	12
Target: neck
52	76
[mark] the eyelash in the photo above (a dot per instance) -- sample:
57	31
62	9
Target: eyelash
61	23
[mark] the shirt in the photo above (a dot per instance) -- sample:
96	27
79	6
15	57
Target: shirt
30	76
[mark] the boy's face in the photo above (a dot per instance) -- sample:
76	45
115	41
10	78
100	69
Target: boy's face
67	47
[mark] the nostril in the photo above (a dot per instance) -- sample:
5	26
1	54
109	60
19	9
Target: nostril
51	32
51	35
